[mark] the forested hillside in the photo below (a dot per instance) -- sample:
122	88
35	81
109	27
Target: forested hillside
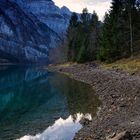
118	36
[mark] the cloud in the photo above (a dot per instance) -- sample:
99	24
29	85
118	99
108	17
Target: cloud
95	1
100	6
62	129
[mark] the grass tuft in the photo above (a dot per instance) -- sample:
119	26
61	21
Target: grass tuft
126	65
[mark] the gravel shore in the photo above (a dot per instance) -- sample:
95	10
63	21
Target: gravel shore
120	96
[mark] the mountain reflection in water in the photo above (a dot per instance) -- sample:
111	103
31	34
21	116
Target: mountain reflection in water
32	99
61	129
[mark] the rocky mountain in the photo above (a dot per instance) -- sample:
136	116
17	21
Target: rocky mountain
29	28
48	13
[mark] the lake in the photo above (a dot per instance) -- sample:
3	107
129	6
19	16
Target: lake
39	105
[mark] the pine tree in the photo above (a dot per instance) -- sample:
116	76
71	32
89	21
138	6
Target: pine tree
83	37
115	33
71	36
117	37
85	17
94	29
82	53
120	33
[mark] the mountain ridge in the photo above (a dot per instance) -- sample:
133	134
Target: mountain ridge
28	31
24	37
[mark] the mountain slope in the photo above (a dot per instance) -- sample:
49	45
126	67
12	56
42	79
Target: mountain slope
47	12
23	37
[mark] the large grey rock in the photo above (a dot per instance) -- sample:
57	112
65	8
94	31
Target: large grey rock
121	136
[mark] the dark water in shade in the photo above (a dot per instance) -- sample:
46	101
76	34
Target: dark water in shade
32	99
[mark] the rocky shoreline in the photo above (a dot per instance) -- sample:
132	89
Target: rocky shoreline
119	117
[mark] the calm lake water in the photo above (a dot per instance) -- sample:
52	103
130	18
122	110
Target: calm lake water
38	105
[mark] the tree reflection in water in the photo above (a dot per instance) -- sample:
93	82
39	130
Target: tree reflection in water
32	99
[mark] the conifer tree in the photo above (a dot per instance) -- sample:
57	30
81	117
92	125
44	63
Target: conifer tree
120	31
117	37
71	36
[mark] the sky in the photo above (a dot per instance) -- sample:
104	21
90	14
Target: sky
100	6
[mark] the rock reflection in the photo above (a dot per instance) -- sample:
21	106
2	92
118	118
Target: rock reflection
32	99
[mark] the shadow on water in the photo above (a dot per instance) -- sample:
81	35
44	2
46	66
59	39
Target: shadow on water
32	99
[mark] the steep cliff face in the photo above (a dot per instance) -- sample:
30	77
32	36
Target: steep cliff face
47	12
23	37
29	28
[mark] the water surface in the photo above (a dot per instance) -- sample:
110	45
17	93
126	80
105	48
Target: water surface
39	105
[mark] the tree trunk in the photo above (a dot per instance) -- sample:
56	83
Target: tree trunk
131	30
